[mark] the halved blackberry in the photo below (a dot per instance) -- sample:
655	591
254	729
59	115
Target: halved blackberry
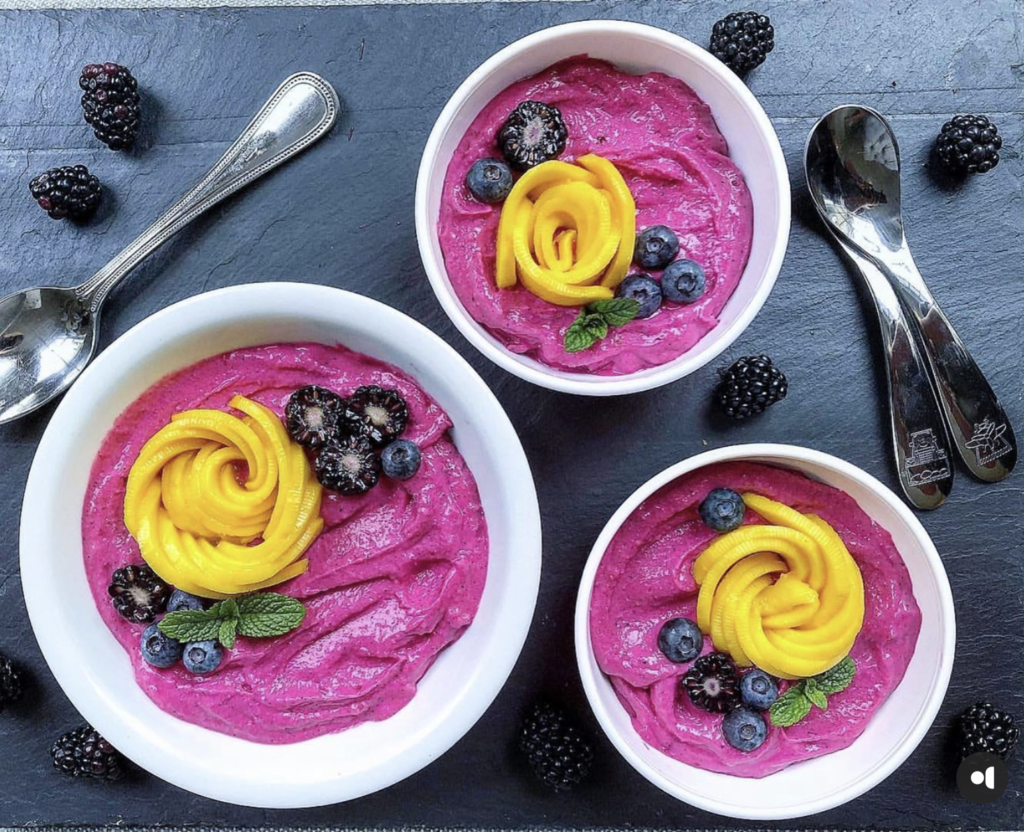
348	466
312	416
534	132
380	415
968	144
983	727
556	748
70	191
110	103
138	593
712	683
84	753
750	386
10	682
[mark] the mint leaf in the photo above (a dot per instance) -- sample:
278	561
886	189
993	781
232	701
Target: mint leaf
264	615
190	625
837	678
615	311
815	694
228	630
269	614
790	708
584	332
226	609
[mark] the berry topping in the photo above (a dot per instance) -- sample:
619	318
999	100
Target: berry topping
555	746
742	40
750	386
655	247
70	192
110	103
183	601
968	144
84	753
681	640
683	281
348	466
758	690
722	510
381	415
138	593
10	682
202	657
312	416
401	459
644	290
533	133
744	729
985	728
489	180
712	684
157	649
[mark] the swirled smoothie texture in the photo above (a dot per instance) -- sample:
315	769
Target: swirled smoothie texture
645	578
663	139
394	578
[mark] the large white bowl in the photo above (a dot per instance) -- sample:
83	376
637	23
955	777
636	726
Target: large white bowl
893	732
633	47
94	670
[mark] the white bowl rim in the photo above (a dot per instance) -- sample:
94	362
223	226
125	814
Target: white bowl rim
775	453
99	708
533	371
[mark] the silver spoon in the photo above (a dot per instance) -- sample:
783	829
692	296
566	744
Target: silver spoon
856	168
49	334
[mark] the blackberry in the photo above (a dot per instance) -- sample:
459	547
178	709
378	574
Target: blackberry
379	415
750	386
69	191
84	753
110	103
968	144
985	728
556	748
712	683
10	682
742	40
348	466
138	593
312	416
534	132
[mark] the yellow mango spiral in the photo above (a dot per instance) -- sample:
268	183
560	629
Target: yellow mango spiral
567	231
786	596
196	524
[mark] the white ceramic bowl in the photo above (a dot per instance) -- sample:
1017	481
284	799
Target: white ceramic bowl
893	732
637	48
94	670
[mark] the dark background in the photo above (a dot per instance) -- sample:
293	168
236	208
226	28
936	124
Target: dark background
342	215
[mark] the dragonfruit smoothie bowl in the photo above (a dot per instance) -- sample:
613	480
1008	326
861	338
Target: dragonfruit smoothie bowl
602	207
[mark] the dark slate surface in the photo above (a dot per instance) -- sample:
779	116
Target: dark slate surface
342	215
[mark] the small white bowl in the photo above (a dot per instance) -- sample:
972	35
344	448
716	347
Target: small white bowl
94	670
633	47
894	731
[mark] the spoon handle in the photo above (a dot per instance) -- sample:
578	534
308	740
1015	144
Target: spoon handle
980	429
302	110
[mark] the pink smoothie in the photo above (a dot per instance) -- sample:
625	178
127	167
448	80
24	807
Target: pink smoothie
395	577
664	140
645	578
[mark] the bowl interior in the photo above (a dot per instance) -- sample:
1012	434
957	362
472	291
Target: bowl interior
636	48
95	672
893	732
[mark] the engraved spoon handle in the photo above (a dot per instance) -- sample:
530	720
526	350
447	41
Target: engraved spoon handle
301	111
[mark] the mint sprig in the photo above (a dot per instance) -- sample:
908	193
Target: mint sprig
592	324
263	615
797	701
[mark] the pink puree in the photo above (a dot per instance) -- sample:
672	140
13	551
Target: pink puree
395	577
645	578
664	140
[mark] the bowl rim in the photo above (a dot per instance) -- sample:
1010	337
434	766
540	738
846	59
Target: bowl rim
771	453
101	707
531	370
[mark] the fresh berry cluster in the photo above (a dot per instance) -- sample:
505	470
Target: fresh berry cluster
983	727
750	386
682	280
742	40
70	191
84	753
968	144
555	746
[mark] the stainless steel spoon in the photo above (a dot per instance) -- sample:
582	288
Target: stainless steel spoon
49	334
855	169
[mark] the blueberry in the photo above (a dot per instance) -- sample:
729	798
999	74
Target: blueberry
683	281
680	640
202	656
758	689
744	729
722	510
157	649
489	180
183	601
656	247
401	459
644	290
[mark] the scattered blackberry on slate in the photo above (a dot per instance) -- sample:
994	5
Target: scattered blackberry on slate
968	144
712	683
138	593
533	133
985	728
70	191
110	102
558	751
348	466
742	40
381	415
312	416
750	386
10	682
84	753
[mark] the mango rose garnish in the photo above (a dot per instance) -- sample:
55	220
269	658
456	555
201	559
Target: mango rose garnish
567	231
196	524
786	596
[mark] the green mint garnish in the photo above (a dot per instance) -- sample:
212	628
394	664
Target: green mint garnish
838	678
796	703
815	694
591	325
264	615
790	708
